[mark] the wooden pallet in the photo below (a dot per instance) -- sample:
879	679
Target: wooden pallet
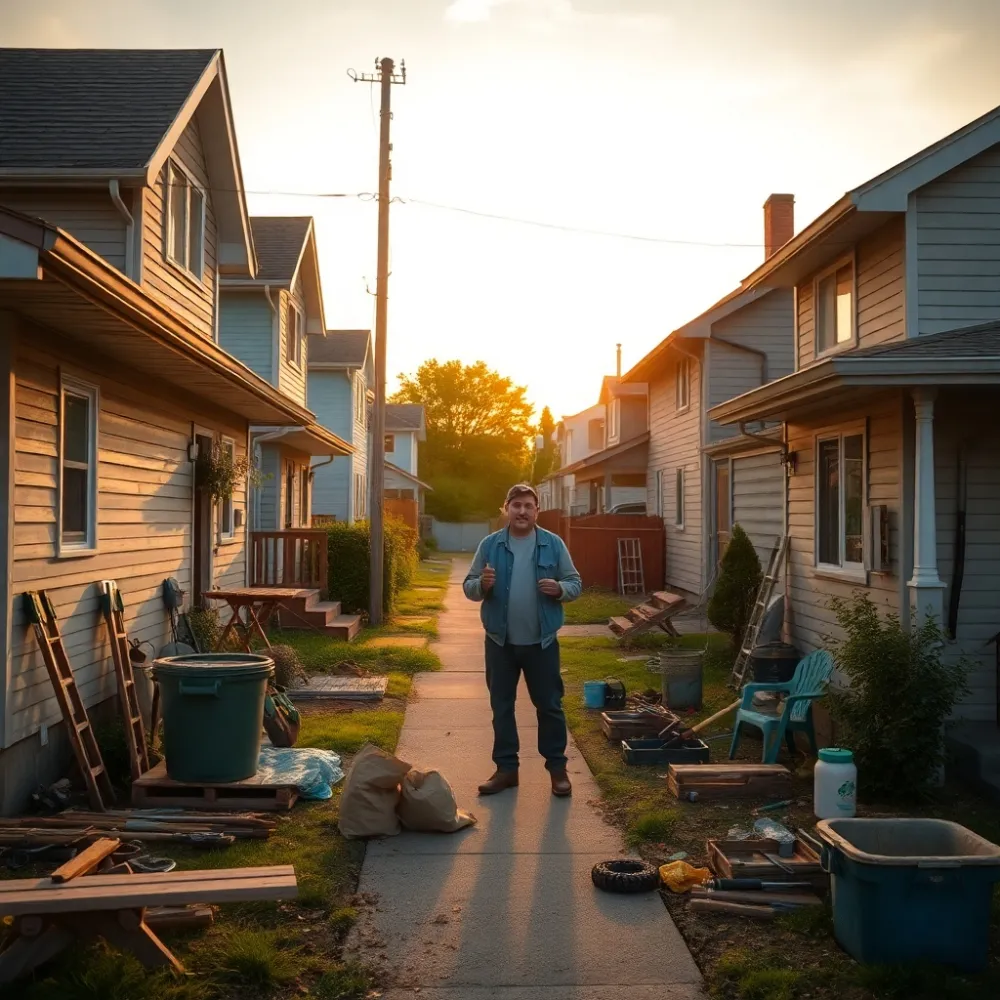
748	859
657	613
729	781
156	790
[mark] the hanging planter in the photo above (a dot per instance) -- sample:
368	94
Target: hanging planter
219	472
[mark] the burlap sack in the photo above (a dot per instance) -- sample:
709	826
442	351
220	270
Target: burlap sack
428	803
371	794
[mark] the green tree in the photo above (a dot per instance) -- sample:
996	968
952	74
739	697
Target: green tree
479	428
545	458
735	591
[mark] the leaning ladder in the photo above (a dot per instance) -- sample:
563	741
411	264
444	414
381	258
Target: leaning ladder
764	592
41	615
630	575
113	608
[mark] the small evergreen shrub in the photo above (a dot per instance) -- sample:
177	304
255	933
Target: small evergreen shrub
735	591
901	691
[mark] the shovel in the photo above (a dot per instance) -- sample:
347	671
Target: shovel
679	738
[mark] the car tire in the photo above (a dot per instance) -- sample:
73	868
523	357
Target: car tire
625	876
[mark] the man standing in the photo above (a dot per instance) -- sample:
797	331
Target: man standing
523	574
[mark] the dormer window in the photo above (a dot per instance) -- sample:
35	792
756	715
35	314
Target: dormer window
185	222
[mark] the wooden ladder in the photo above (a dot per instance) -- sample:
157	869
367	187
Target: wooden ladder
113	608
41	615
764	591
630	574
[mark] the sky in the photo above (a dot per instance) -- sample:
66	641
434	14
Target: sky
665	122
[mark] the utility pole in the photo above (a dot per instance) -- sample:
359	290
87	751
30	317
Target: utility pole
386	77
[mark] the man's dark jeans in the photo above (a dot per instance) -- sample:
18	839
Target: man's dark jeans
504	665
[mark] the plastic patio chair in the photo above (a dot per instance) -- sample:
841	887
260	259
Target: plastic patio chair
809	683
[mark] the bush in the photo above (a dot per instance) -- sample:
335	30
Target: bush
349	570
736	589
288	669
900	695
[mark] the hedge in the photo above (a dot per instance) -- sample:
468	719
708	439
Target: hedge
349	568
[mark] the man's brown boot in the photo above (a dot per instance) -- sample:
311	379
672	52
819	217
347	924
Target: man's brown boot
500	781
561	784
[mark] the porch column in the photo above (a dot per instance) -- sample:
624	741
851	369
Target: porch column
607	491
926	588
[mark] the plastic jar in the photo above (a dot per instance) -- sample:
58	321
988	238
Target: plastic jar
835	784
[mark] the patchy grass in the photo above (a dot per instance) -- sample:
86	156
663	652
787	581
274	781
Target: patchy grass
320	654
425	596
595	606
251	958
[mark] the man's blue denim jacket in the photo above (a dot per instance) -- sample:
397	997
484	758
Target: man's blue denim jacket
552	562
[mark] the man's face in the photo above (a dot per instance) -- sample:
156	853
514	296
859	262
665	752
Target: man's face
522	511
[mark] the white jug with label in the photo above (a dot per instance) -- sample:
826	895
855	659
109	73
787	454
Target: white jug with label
835	784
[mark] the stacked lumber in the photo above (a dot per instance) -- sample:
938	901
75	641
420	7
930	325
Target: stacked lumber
705	782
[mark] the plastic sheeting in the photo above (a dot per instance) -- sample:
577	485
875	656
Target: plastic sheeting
313	772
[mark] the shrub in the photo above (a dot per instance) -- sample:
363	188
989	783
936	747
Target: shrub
288	669
901	691
349	570
739	579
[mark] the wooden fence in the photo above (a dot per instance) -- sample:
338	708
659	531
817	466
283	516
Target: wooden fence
296	558
593	543
407	511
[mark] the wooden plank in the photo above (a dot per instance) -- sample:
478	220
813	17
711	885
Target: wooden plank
86	860
719	908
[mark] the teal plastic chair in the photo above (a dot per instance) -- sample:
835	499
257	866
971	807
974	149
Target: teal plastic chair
811	678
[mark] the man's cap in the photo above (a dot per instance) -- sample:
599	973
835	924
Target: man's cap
519	490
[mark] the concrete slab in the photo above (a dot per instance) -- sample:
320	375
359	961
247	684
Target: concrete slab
400	641
516	920
446	715
467	750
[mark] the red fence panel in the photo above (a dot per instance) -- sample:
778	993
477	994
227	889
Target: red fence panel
593	544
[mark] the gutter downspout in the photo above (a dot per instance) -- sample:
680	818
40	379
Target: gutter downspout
749	350
275	338
114	189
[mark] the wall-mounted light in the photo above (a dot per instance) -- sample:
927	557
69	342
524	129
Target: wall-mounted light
193	451
790	460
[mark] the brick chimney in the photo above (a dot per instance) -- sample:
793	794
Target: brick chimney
779	222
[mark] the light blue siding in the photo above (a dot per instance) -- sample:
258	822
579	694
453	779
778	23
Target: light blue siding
246	330
404	453
330	396
270	488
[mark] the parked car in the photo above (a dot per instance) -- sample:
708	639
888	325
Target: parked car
628	508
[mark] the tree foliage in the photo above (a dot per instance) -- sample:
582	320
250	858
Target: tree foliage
479	429
545	459
735	591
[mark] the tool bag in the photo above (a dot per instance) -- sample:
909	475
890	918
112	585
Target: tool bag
281	718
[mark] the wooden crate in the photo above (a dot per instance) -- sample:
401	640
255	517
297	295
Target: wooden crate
624	725
748	859
729	781
155	789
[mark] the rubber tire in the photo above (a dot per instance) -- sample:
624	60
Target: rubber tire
625	876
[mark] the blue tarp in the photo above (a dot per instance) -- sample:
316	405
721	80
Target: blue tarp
313	772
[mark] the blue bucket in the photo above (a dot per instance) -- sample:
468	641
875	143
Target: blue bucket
594	693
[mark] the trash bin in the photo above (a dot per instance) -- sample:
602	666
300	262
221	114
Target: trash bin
774	662
910	890
213	708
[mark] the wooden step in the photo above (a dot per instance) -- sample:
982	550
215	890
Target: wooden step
318	614
620	625
343	627
664	599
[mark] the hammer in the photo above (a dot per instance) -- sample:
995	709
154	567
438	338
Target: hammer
680	737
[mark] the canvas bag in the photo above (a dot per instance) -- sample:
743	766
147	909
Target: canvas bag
428	803
371	794
281	718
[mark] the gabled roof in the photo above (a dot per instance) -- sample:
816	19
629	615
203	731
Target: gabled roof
405	417
280	242
615	451
340	349
410	476
613	386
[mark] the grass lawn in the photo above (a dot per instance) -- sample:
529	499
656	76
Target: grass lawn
271	951
792	957
596	606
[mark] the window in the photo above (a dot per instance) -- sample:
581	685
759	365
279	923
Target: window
614	419
569	448
226	527
595	435
289	495
304	497
659	493
359	399
840	497
390	443
360	496
683	387
834	297
679	499
293	335
185	221
78	467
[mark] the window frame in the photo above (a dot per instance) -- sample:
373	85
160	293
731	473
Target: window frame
680	498
176	169
360	496
853	572
614	420
227	504
86	546
682	385
288	514
294	335
852	340
389	443
305	496
359	399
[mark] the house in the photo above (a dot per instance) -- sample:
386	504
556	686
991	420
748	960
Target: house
888	417
703	476
267	321
576	437
341	374
405	428
121	208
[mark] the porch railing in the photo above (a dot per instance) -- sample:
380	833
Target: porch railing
294	558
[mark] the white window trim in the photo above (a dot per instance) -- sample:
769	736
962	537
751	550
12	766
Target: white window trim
845	572
88	546
683	368
296	330
359	399
659	493
198	275
614	420
680	510
852	341
227	536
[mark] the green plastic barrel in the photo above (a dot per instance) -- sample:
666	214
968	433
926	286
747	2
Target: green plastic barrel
212	707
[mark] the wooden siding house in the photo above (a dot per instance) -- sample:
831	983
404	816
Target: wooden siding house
888	416
576	437
405	428
702	477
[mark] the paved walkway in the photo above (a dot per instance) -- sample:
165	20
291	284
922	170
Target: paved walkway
506	909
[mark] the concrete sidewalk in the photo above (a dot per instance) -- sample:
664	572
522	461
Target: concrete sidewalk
506	909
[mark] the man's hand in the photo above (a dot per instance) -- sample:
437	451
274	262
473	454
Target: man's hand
487	578
551	588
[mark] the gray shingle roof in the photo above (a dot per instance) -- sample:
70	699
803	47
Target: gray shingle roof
980	341
91	109
403	416
278	241
340	347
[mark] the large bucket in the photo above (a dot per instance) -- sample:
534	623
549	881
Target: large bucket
594	693
213	711
681	678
